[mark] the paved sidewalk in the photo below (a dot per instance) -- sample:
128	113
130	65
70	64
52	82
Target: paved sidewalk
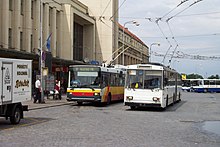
48	103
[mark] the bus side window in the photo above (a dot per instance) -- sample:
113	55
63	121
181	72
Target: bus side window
105	80
165	81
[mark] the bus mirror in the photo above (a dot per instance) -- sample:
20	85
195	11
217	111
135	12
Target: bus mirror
99	74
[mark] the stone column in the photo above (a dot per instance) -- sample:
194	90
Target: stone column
27	26
36	25
67	32
16	21
5	23
59	33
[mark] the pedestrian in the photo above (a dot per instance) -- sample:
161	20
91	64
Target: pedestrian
57	89
37	91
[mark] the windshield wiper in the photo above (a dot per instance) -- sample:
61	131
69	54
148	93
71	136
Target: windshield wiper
87	86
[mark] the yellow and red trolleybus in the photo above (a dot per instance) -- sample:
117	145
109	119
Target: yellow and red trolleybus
92	83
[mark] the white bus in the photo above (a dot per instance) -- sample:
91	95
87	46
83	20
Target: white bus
151	85
205	85
97	84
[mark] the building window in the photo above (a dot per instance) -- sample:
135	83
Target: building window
50	15
78	42
21	40
22	7
32	50
32	9
11	5
9	38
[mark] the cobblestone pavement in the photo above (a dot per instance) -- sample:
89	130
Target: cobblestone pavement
116	125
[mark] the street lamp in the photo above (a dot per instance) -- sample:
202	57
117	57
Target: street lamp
131	22
158	44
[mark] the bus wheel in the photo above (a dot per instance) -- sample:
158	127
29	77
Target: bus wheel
16	116
79	103
167	101
109	99
132	107
205	90
179	97
173	100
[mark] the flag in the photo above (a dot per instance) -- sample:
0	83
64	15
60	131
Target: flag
48	42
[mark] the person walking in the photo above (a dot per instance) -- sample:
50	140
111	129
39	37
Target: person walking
57	89
37	91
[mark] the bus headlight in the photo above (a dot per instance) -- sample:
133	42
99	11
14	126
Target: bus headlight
129	97
96	94
156	99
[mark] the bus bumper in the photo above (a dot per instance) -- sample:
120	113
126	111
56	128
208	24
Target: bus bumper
142	104
84	99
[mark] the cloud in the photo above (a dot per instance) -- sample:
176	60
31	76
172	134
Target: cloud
196	29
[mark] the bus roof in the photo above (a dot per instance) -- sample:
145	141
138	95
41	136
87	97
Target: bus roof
150	66
112	69
201	79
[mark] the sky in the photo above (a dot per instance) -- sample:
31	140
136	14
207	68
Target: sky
184	31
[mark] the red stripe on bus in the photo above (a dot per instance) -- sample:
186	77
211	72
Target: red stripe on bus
82	93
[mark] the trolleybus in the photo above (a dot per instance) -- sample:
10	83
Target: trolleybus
205	85
97	84
151	85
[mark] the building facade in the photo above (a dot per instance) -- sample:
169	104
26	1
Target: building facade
68	23
79	30
134	50
105	13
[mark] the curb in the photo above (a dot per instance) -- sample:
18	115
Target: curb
48	106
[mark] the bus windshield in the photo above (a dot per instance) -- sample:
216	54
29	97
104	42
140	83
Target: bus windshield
84	77
140	79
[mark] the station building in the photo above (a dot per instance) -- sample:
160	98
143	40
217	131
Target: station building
79	31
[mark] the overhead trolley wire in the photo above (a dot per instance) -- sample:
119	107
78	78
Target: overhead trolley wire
117	9
157	22
184	9
182	2
105	8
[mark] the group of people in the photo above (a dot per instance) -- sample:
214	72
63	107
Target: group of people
38	90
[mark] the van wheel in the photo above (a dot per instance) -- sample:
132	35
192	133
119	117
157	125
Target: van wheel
16	116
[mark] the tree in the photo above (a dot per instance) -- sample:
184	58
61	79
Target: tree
194	76
214	77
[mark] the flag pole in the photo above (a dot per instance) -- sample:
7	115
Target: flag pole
41	52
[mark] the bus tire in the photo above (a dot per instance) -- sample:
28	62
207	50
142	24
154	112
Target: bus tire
79	103
173	100
109	99
205	90
167	101
179	97
132	107
16	116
